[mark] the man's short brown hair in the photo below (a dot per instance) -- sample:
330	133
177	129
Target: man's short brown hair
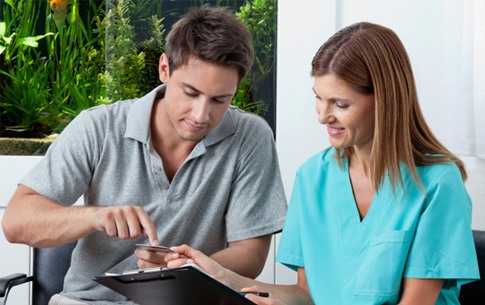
214	35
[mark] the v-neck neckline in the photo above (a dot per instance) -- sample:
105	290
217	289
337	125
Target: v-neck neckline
350	199
354	232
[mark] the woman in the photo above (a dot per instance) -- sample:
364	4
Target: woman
381	217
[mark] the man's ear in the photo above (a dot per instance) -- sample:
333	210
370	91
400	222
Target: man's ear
163	68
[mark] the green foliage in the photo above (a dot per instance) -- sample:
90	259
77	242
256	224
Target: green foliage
125	75
30	97
260	18
12	44
57	61
244	99
24	90
73	63
86	61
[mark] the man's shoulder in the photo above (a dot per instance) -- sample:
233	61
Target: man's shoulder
104	116
239	126
245	120
116	108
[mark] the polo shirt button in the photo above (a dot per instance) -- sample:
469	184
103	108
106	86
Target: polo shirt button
165	187
158	168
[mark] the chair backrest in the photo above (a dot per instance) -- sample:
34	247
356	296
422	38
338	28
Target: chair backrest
474	293
50	267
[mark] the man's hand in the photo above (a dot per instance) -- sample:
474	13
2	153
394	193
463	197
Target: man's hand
125	222
40	222
149	259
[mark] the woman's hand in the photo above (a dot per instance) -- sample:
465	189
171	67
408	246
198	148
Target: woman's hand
270	300
184	254
278	294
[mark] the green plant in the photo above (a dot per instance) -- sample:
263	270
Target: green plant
11	44
24	91
39	91
75	55
16	32
126	68
30	96
73	60
260	18
244	99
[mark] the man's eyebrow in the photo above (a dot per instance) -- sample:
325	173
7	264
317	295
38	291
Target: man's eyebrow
190	87
315	92
198	91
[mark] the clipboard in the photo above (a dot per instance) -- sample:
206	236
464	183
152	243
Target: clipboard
185	285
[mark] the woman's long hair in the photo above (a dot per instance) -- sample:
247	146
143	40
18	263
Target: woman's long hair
372	59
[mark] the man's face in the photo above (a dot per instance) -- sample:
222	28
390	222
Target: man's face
197	96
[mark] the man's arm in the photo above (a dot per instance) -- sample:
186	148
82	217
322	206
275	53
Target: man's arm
245	257
39	222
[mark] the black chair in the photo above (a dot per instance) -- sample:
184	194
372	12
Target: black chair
49	268
474	293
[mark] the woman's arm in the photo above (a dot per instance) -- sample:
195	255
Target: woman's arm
283	294
420	291
279	294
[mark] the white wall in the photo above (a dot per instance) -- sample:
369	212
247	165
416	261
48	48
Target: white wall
304	25
14	258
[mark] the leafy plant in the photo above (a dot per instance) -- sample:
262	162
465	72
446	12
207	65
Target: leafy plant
73	60
15	44
77	55
24	92
126	69
260	18
244	99
52	84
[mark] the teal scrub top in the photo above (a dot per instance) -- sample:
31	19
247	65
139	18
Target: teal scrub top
405	234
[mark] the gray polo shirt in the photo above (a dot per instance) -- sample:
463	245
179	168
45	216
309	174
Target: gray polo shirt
228	189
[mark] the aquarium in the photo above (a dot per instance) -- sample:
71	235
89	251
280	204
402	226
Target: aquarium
60	57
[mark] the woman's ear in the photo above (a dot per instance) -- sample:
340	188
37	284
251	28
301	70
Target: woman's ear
163	68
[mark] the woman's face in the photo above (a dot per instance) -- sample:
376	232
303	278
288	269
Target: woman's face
348	114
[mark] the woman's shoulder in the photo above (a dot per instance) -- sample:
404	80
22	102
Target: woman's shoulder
321	159
439	173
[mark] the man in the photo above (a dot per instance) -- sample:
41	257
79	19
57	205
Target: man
178	165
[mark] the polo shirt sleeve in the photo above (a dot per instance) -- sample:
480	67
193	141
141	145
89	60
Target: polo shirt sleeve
64	173
289	250
443	245
257	203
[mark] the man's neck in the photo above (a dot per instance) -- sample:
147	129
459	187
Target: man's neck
172	149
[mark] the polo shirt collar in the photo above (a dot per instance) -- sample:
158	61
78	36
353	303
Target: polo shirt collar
139	116
224	129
